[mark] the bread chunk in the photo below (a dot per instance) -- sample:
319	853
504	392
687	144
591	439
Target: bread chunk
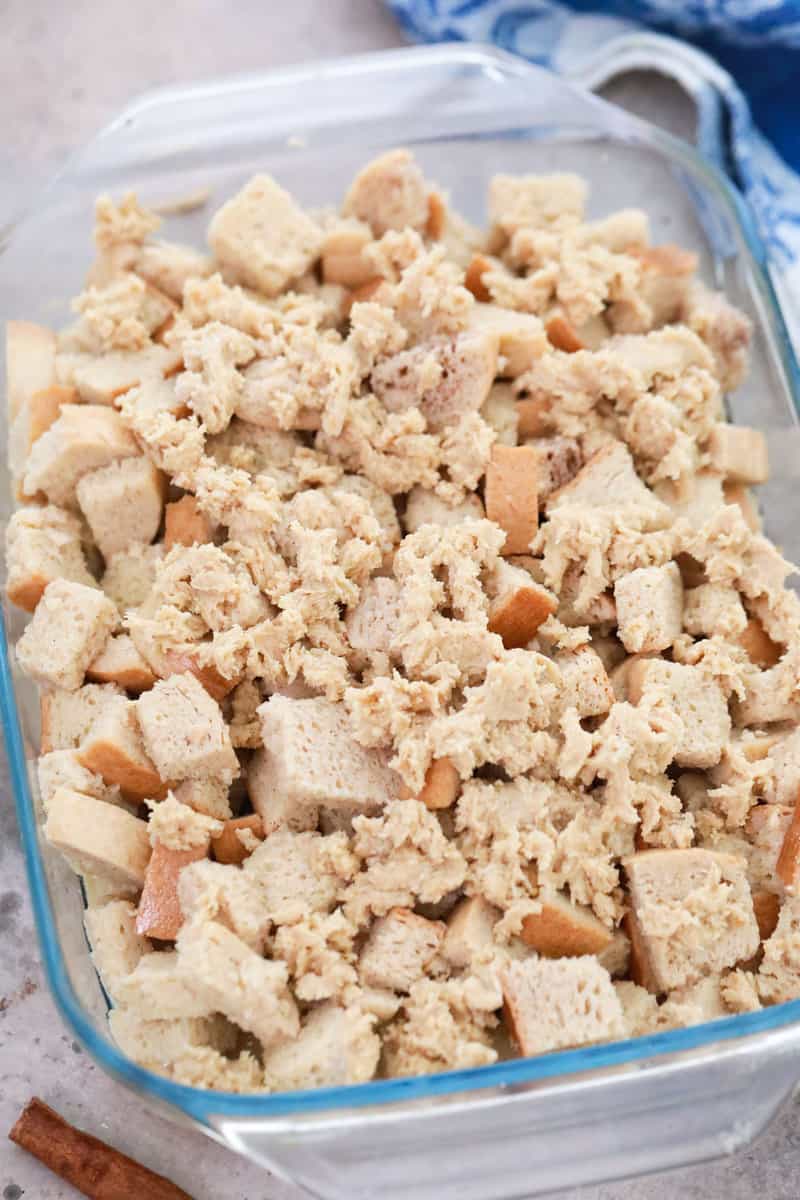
117	947
66	717
739	453
120	662
519	607
30	363
335	1046
122	503
43	543
97	838
61	769
562	929
185	524
83	438
512	496
649	608
585	684
469	932
113	749
550	1004
399	948
70	627
389	193
697	699
159	914
184	733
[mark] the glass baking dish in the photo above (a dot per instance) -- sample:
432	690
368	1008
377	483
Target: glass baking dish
532	1125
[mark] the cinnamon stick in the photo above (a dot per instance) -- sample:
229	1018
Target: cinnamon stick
95	1169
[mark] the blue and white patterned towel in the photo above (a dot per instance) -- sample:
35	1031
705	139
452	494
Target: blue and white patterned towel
747	95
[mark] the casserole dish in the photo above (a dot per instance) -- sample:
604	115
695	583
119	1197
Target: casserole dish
517	1128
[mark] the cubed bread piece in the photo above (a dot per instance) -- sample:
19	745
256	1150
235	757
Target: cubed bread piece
714	608
371	623
399	949
168	266
61	769
442	785
102	379
470	931
389	193
445	379
562	929
236	981
171	662
335	1047
424	507
770	696
649	608
43	543
342	255
184	732
558	460
208	796
229	847
122	503
298	873
83	438
262	238
276	805
159	914
120	662
66	717
520	337
70	627
787	867
130	575
159	984
30	362
512	495
554	201
667	272
608	480
117	948
553	1003
114	750
185	524
739	453
311	757
693	912
519	606
97	838
500	411
757	644
585	685
696	698
34	418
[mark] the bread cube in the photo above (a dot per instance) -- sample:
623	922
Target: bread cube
519	606
311	758
649	608
697	699
114	750
372	623
159	984
185	524
779	972
208	796
399	949
536	201
122	503
159	914
585	685
444	379
770	696
228	847
342	255
70	627
262	238
276	804
116	947
168	266
120	662
43	543
66	717
83	438
102	379
37	414
470	931
608	480
184	732
562	929
61	769
558	460
512	496
424	507
97	838
520	337
30	363
743	498
389	193
714	608
336	1046
553	1003
693	912
739	453
129	576
500	411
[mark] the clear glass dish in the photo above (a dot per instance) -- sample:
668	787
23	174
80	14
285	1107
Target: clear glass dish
532	1125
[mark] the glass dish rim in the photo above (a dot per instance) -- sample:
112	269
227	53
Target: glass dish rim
565	1066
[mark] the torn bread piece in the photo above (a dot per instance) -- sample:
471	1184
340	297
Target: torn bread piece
519	606
184	733
30	363
398	950
553	1003
738	453
649	604
117	948
122	504
238	839
83	438
120	662
512	495
98	839
43	543
470	931
561	929
389	193
113	749
335	1047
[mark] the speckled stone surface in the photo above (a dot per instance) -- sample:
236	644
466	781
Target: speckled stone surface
65	70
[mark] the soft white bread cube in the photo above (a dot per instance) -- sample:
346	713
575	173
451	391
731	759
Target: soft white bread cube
389	193
311	757
697	699
336	1046
562	929
520	337
519	605
739	453
159	1044
208	796
129	576
122	503
61	769
66	717
770	696
692	914
512	495
558	460
608	479
262	238
116	947
585	685
372	622
553	1003
399	949
102	379
444	379
113	749
649	608
33	419
83	438
70	627
236	981
43	543
276	806
782	785
500	411
120	662
168	265
184	732
97	838
342	255
424	507
30	362
159	984
713	608
470	931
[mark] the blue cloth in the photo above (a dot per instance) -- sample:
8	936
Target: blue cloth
748	93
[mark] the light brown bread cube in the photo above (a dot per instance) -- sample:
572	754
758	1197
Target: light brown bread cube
98	838
83	438
770	696
445	379
336	1046
185	524
739	453
129	576
207	796
608	480
372	622
585	685
120	662
649	608
558	461
117	948
519	606
389	193
714	608
159	914
693	913
399	949
43	543
66	717
262	238
60	768
122	503
168	266
276	805
70	627
512	496
562	929
103	379
114	750
34	418
536	201
698	701
30	362
470	931
184	733
553	1003
424	507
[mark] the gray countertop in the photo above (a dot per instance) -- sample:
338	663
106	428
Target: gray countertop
66	69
